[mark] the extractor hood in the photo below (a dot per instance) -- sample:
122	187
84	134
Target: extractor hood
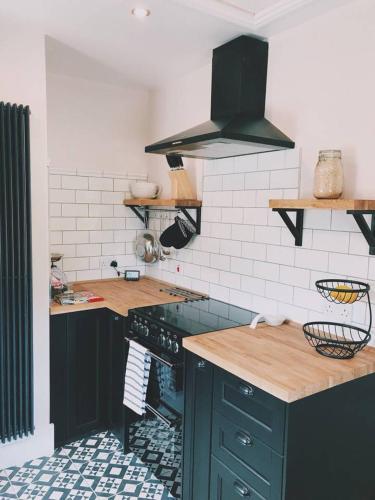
237	126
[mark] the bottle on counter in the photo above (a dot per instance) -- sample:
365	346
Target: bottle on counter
329	175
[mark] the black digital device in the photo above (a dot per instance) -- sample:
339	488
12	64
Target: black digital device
131	275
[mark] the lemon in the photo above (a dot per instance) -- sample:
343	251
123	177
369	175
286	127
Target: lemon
347	296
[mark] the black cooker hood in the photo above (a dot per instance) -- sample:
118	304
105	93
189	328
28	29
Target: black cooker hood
237	126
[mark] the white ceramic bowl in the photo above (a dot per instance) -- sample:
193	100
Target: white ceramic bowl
144	190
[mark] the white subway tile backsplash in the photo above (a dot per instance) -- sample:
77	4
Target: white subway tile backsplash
219	292
211	214
245	163
280	255
218	199
241	299
74	182
55	237
101	236
272	161
217	167
54	210
201	258
267	234
88	250
115	198
100	184
244	199
219	230
256	216
70	237
101	210
341	221
61	196
121	185
74	210
124	235
279	292
231	247
76	263
266	270
257	180
333	241
358	244
89	274
241	266
317	219
295	276
134	223
232	215
252	250
285	178
230	279
242	232
89	223
233	182
311	259
352	265
62	224
65	250
113	249
220	262
88	197
213	183
263	196
54	181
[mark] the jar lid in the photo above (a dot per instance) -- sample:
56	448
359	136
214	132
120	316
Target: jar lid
330	153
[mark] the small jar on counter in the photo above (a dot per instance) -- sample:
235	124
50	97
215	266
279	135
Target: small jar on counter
329	176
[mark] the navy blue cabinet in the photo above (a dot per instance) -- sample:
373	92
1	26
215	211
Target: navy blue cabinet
241	442
86	373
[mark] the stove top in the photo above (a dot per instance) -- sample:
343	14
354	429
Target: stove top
194	317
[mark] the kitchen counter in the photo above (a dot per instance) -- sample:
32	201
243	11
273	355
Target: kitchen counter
119	295
278	360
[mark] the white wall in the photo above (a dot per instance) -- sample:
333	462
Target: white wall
321	92
22	81
96	127
181	104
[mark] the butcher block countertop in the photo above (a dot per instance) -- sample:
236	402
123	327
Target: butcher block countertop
278	360
119	295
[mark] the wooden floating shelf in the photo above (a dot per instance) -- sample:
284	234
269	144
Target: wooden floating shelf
338	204
160	202
357	208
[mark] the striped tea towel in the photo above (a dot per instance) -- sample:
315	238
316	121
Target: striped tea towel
136	377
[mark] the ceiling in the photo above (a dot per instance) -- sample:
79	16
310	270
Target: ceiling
100	39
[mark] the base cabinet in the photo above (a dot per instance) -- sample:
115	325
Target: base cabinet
86	373
240	442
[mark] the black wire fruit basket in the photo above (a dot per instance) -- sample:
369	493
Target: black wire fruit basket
338	340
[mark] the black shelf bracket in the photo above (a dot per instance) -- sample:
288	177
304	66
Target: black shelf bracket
368	232
143	214
297	228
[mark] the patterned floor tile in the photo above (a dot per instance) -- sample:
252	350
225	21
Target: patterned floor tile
95	468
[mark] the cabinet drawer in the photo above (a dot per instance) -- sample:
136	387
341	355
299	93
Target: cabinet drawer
233	445
260	413
227	485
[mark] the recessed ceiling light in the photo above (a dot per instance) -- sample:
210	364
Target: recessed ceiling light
140	12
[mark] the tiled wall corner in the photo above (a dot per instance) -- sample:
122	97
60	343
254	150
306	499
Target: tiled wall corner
247	256
89	224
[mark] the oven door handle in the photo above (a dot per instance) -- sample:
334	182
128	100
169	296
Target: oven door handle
158	358
160	416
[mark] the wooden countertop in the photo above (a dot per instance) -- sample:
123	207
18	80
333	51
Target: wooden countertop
278	360
119	295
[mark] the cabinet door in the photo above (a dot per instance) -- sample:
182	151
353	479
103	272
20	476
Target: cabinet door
117	325
197	427
58	377
88	340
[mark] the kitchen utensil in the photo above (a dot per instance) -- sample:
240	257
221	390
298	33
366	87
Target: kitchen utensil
178	234
338	340
147	247
270	319
144	190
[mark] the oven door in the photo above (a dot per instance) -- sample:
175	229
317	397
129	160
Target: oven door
165	398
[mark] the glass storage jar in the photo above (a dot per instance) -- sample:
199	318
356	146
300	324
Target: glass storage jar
329	176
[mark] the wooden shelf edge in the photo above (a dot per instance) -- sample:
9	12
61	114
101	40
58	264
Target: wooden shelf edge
139	202
339	204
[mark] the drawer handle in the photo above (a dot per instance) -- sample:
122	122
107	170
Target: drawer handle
246	390
241	489
244	439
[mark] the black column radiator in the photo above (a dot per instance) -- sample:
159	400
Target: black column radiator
16	356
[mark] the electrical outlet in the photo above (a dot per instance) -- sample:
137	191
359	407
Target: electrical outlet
179	268
105	261
338	312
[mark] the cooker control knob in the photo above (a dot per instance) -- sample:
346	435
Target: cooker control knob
140	329
169	343
162	339
146	331
135	325
175	347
